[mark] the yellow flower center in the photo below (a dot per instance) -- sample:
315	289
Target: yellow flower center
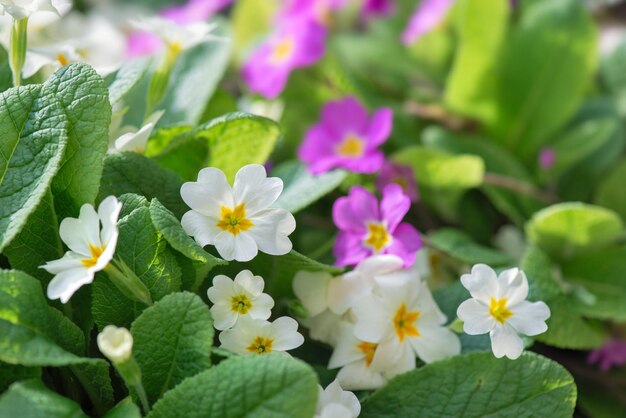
62	59
499	311
240	304
378	238
261	345
368	349
96	252
404	323
352	146
234	220
282	51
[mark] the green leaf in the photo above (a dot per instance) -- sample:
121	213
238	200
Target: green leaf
270	386
601	274
228	143
611	192
127	77
34	333
162	137
476	56
458	245
38	242
12	373
546	65
302	188
169	354
85	101
478	385
145	251
611	70
125	409
194	79
31	399
34	136
567	229
440	170
130	172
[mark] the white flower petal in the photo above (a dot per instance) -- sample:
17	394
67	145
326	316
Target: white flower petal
209	193
241	247
529	318
255	189
69	261
379	265
513	285
506	342
476	318
286	334
324	327
202	228
435	343
312	290
223	316
222	289
335	410
109	212
357	376
346	348
345	290
373	321
392	354
261	307
482	283
335	395
250	283
79	233
271	230
67	282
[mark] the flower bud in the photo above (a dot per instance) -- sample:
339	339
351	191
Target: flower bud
115	343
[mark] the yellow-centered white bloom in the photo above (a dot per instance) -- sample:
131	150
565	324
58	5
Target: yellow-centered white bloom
91	238
115	343
20	9
132	139
402	312
257	336
176	36
233	299
334	402
237	220
499	307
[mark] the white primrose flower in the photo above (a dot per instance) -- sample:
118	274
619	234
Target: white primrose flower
91	238
20	9
334	402
363	365
176	36
257	336
327	299
53	57
403	312
499	307
237	220
115	343
136	140
242	297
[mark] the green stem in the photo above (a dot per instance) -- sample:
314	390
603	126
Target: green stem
498	180
161	78
127	282
130	372
18	49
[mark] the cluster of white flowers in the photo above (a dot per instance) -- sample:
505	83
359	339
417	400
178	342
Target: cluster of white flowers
241	311
378	318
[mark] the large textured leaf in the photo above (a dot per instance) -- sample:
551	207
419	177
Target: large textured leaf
85	100
228	143
31	399
271	386
167	355
302	188
478	385
130	172
566	229
145	251
34	131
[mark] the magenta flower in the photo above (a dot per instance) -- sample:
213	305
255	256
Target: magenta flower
378	8
401	175
141	43
346	138
317	10
611	354
296	44
547	158
367	228
428	15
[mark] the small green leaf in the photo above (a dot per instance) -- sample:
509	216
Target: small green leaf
567	229
167	354
458	245
478	385
302	188
611	192
440	170
31	399
270	386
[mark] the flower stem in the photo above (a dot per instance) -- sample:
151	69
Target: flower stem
493	179
160	78
128	283
130	372
18	49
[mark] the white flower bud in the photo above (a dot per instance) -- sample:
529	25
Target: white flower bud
115	343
